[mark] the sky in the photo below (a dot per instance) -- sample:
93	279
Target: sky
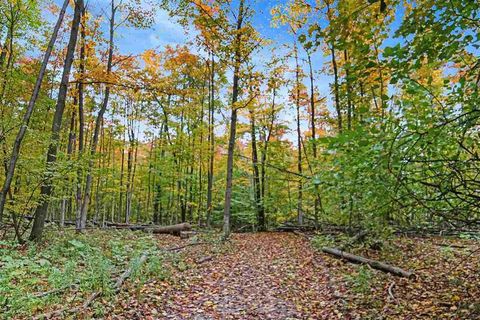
166	31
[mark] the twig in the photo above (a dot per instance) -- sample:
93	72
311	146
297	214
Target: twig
53	291
390	291
185	245
451	245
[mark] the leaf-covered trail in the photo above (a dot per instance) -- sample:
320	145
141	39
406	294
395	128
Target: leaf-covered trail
260	276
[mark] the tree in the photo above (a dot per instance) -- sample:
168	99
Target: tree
47	188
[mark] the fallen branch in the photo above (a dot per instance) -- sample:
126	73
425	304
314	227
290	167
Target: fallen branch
301	234
390	291
204	259
372	263
128	272
456	246
53	291
290	228
186	245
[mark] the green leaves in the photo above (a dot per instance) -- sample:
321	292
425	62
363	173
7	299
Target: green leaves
77	244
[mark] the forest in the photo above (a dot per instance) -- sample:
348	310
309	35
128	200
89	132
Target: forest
240	159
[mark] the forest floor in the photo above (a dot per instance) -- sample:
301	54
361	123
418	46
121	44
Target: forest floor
281	276
252	276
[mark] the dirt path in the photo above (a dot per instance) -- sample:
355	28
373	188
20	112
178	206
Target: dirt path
260	276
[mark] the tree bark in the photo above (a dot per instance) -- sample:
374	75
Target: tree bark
173	229
211	142
372	263
233	123
47	187
299	137
81	123
335	75
256	176
349	92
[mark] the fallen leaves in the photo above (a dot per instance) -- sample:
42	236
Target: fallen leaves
280	276
259	276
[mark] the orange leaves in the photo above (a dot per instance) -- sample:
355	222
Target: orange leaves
207	9
151	59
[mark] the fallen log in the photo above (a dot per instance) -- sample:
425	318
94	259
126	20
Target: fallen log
291	228
187	234
372	263
173	229
204	259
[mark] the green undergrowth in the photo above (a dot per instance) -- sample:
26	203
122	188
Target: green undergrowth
68	266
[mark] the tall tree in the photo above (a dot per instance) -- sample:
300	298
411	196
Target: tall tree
47	187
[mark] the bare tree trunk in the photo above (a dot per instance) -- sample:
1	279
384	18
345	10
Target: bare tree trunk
150	167
335	76
211	142
81	125
317	203
130	156
299	138
47	187
157	202
132	183
8	47
349	91
70	147
122	169
256	176
233	122
336	89
265	147
28	113
312	107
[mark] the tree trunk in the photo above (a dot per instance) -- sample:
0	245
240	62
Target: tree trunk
157	202
349	91
173	229
81	125
299	138
211	142
47	187
233	123
335	75
98	123
28	113
372	263
265	147
256	176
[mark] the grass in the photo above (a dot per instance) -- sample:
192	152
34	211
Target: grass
70	266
